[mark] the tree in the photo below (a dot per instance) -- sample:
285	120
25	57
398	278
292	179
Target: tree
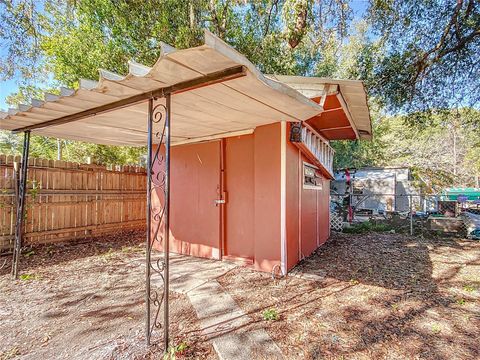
431	53
73	39
444	153
416	57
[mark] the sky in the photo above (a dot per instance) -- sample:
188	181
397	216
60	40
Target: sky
10	86
6	88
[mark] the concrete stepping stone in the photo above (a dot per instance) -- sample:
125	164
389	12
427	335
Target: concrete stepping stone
222	321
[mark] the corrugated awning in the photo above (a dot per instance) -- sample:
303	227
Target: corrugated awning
234	106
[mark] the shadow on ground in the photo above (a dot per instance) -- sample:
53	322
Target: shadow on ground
55	254
372	296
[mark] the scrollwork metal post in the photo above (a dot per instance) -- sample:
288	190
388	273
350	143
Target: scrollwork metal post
158	184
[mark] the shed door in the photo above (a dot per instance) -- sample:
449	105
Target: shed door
240	218
195	187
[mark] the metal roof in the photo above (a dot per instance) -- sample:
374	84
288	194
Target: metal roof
220	109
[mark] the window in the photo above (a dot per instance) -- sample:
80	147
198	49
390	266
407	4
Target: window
312	179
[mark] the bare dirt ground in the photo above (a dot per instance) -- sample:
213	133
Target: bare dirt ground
86	301
370	296
374	296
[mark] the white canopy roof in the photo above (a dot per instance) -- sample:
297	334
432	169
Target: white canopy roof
233	106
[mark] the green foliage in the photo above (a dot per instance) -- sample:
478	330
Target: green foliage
421	58
436	328
11	353
443	150
430	53
47	148
270	315
174	351
28	277
25	94
29	253
422	55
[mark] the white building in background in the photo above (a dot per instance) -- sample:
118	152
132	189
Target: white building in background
377	189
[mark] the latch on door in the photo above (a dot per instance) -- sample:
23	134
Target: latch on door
220	201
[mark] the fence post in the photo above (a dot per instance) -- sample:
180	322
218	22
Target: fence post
20	217
411	215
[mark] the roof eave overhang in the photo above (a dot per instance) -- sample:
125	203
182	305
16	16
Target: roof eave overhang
351	94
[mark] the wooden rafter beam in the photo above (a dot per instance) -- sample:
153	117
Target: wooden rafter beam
332	109
349	116
336	128
323	98
201	81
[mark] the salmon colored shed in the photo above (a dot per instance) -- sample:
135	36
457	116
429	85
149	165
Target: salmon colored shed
250	158
261	197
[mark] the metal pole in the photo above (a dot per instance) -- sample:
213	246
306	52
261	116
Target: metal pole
21	205
411	215
167	219
154	298
149	219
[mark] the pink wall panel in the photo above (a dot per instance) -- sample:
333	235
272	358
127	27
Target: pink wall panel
195	182
267	196
309	221
240	206
292	204
307	215
253	209
324	212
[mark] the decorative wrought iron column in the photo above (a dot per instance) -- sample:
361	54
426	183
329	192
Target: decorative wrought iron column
158	217
22	189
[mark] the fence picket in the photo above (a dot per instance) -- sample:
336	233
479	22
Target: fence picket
72	201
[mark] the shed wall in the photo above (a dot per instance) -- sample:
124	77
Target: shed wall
267	196
240	190
252	209
307	210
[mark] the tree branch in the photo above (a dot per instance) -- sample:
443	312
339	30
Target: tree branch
442	48
269	18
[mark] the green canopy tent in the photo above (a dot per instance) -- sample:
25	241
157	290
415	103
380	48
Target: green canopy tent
461	194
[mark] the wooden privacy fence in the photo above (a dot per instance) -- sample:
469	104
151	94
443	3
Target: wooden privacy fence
68	201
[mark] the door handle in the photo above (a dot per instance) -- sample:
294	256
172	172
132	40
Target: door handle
219	201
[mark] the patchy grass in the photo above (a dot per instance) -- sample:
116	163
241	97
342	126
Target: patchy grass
270	314
10	353
360	296
176	351
377	296
27	277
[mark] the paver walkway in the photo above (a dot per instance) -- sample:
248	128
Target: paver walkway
222	321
